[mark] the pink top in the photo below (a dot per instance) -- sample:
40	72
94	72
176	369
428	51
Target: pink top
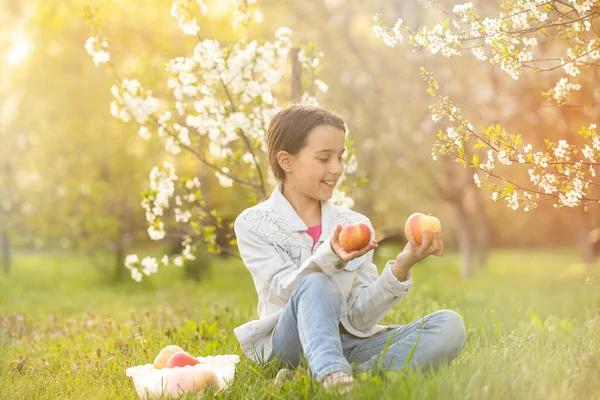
315	233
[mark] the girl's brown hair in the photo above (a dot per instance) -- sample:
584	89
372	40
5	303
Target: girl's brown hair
289	128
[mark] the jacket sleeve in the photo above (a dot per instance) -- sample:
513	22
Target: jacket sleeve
373	295
275	274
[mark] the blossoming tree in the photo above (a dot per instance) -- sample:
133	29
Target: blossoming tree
533	36
221	99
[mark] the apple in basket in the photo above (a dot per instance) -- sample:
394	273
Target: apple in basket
206	380
175	371
161	359
181	359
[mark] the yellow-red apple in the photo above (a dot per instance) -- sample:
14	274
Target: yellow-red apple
355	237
181	359
161	359
205	380
417	223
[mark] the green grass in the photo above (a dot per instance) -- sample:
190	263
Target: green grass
533	327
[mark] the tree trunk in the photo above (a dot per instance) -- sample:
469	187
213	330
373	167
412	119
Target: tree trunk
119	260
125	236
296	76
6	254
465	242
582	233
481	225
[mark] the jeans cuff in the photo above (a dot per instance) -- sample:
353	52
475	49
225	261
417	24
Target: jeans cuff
344	367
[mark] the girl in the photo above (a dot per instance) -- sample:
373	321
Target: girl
315	298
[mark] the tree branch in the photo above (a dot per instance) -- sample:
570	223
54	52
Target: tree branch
245	138
205	161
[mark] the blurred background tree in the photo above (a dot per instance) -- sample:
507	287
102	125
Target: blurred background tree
554	44
72	174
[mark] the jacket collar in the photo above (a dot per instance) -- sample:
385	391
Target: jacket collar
284	209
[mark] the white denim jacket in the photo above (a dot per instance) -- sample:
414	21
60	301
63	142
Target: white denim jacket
278	251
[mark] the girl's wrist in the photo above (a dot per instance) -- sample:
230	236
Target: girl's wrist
407	259
399	272
402	266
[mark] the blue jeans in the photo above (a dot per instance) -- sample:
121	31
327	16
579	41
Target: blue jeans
310	325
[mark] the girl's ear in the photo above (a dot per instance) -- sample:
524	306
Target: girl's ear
285	160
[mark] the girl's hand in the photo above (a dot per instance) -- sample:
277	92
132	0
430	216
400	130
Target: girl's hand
349	255
415	253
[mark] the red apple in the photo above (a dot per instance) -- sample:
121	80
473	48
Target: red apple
355	237
161	359
181	359
417	223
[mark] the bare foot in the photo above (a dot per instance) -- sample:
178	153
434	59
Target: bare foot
339	382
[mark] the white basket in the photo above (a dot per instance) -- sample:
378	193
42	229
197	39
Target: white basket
177	380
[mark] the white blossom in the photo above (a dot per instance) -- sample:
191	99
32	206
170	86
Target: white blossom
489	165
321	86
224	180
131	260
570	68
131	101
149	265
351	165
182	216
340	199
187	252
462	8
573	196
190	27
477	180
582	6
248	158
546	182
479	53
529	41
563	89
192	183
136	275
390	38
540	159
451	133
184	136
172	147
512	200
561	149
503	157
144	133
181	11
596	143
157	232
96	49
178	261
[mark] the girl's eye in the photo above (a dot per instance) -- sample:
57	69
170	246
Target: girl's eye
327	159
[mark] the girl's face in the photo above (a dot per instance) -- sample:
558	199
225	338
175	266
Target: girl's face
318	166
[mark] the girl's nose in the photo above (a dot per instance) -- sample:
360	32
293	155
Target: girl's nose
338	167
